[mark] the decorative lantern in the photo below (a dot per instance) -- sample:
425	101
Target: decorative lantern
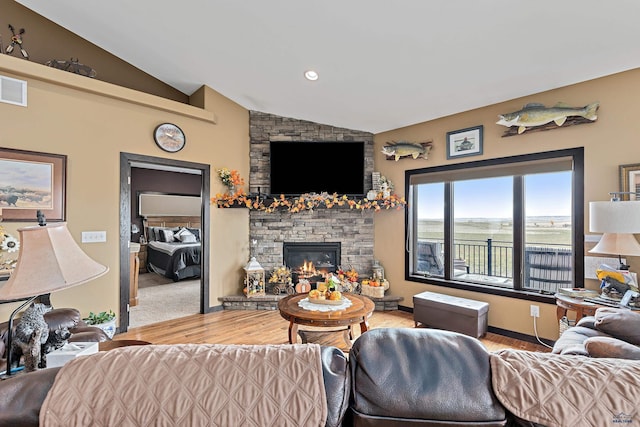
254	279
378	270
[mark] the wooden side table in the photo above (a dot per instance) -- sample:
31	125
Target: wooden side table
579	305
142	256
134	267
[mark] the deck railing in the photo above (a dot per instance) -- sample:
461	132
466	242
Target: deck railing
547	266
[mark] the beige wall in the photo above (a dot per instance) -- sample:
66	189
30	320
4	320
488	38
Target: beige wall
610	141
92	122
45	40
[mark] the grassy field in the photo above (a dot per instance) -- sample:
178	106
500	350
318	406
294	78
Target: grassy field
471	240
541	230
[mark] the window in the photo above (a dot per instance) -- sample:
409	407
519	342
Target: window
511	226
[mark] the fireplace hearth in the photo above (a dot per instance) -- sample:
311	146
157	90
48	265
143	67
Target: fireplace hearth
311	261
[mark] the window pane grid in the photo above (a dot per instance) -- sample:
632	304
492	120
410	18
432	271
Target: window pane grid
482	246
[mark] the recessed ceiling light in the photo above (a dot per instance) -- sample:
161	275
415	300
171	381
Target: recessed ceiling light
311	75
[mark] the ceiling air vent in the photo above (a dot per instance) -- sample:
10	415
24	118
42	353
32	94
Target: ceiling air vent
13	91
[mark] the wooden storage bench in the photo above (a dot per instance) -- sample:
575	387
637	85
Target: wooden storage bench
451	313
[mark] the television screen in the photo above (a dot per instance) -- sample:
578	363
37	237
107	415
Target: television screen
316	167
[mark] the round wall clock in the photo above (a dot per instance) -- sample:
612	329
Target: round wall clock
169	137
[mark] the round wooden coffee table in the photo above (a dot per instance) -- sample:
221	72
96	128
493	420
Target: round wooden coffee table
359	312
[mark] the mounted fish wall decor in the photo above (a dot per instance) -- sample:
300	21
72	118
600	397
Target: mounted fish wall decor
396	150
538	117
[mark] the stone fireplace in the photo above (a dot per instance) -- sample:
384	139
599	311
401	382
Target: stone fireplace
352	229
312	261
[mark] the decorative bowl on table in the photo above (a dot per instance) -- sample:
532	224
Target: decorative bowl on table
327	298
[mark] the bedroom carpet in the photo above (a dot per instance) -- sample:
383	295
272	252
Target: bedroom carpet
161	299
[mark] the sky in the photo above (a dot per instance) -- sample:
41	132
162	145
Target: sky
547	194
25	174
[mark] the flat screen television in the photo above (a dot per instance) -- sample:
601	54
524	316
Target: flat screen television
315	167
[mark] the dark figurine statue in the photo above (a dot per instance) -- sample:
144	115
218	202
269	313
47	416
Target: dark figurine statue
42	220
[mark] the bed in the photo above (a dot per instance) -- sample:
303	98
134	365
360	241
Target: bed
173	246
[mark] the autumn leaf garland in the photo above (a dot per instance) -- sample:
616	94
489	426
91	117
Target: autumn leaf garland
307	202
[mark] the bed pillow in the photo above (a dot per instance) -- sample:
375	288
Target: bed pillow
166	235
153	234
188	238
180	232
149	234
185	236
195	232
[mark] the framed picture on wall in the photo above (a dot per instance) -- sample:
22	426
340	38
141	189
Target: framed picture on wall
464	142
630	181
32	181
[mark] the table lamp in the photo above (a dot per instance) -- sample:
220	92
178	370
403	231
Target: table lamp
49	260
618	221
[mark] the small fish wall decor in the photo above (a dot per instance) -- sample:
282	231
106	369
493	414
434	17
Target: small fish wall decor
397	150
539	117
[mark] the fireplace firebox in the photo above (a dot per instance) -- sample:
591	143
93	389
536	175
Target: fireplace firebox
312	261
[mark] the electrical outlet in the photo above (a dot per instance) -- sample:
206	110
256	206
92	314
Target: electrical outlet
535	311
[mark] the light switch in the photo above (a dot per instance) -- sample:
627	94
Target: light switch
94	236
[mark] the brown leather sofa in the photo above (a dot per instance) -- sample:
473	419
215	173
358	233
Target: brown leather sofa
421	377
394	377
57	319
28	392
402	377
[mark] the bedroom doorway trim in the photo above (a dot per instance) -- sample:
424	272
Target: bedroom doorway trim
126	161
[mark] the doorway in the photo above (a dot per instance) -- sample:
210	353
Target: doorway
129	161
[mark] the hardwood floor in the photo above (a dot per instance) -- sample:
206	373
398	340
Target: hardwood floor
268	327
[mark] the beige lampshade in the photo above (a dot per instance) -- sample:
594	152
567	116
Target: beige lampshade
618	221
617	244
614	217
49	260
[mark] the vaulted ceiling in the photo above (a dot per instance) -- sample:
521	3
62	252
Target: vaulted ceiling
382	64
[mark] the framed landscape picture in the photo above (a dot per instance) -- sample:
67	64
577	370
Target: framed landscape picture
32	181
464	142
630	181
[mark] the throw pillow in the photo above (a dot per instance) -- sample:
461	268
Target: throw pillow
195	232
166	235
188	238
152	233
587	322
611	347
185	236
620	323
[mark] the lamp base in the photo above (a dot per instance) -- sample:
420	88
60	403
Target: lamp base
14	372
622	266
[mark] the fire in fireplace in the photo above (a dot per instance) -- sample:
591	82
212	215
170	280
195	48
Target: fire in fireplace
311	261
